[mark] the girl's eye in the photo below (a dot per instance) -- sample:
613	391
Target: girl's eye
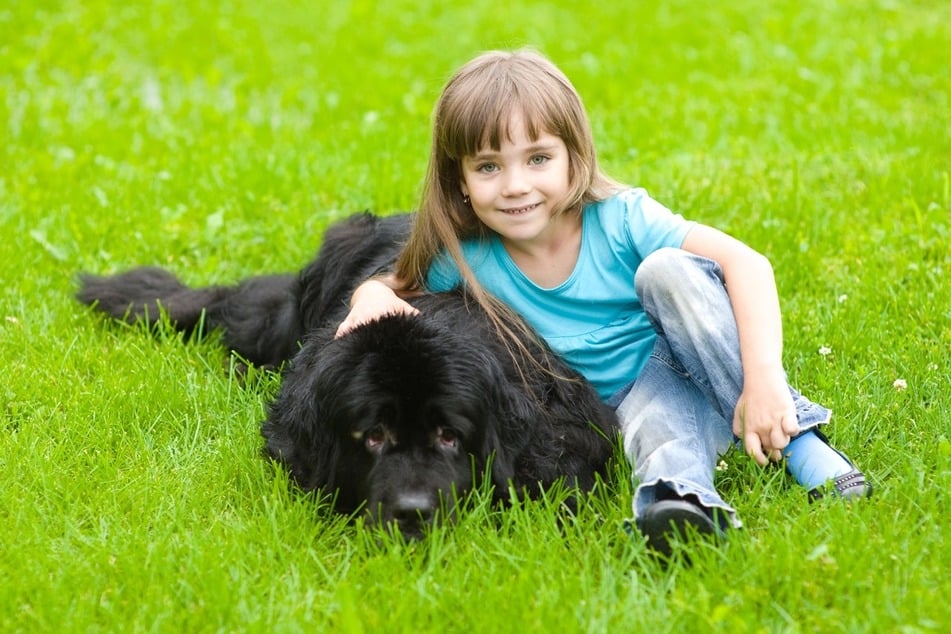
538	159
487	168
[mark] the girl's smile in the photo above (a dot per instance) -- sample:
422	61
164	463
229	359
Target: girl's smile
520	210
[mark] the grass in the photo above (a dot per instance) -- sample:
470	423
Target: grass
219	139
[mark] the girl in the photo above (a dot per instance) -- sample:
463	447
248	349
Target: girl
676	324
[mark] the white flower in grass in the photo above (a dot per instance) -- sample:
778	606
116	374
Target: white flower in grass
843	298
900	385
825	351
721	466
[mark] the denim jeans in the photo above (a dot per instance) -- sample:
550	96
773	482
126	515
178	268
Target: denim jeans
677	418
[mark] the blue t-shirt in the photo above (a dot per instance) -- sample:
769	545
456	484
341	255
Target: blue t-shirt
594	318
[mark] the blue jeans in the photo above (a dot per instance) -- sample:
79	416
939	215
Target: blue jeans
677	418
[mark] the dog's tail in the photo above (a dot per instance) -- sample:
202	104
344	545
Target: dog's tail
145	293
260	317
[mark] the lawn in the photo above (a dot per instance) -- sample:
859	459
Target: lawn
220	138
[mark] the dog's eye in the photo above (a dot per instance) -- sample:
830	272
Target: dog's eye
374	439
447	438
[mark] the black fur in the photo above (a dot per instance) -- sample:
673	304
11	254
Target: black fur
402	415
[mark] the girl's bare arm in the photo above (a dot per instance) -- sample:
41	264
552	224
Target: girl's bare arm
765	416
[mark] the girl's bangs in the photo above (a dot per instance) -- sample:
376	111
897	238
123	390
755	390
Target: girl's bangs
486	121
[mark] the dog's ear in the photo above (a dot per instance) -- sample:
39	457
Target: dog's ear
509	427
540	439
296	432
496	459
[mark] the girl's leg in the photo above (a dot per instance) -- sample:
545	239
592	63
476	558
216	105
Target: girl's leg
685	297
673	438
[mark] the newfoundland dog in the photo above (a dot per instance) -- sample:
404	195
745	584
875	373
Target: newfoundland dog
403	416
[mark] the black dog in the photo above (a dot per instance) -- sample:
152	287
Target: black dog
403	415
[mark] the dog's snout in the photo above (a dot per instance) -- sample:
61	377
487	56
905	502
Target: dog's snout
414	507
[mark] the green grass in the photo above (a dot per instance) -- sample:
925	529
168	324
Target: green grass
220	138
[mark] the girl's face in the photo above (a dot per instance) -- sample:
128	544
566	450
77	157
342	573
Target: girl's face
515	191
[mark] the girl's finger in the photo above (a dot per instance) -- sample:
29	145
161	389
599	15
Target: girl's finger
754	449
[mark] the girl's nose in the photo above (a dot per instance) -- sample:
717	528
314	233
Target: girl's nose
515	182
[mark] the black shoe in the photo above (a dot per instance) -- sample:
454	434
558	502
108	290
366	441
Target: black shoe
675	519
851	486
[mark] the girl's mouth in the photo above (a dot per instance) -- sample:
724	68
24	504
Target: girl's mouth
517	211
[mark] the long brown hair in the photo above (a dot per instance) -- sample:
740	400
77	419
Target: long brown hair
474	111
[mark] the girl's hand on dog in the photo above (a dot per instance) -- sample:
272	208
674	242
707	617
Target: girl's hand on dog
372	300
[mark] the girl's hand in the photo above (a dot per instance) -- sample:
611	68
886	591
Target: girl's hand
765	417
372	300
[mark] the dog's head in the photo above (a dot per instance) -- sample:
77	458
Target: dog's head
400	418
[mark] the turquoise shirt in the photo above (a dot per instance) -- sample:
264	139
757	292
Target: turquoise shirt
594	318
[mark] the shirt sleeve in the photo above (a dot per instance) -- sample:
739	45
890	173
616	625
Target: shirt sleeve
651	225
443	274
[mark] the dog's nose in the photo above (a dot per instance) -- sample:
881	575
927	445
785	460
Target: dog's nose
412	508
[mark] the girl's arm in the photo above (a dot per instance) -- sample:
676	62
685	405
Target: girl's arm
765	416
374	298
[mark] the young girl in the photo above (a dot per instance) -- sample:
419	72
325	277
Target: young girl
676	324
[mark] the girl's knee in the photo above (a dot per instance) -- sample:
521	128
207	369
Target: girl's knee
673	283
668	268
